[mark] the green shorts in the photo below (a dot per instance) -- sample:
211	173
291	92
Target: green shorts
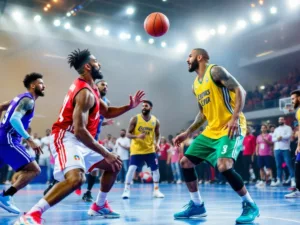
211	150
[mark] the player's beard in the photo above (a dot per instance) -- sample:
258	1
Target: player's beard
146	112
96	74
296	105
194	66
38	92
102	93
122	135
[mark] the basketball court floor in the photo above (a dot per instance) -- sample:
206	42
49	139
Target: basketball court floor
222	204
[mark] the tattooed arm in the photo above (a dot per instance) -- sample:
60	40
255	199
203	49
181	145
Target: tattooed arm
157	136
221	76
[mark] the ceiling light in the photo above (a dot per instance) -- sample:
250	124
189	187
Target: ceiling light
163	44
130	10
151	41
241	24
57	23
87	28
256	17
37	18
67	26
273	10
138	38
222	29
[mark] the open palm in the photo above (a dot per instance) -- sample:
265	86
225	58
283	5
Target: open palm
136	99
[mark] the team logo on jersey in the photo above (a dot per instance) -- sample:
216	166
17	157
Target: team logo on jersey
76	157
206	79
153	123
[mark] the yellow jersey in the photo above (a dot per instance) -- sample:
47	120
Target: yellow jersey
298	115
143	146
217	104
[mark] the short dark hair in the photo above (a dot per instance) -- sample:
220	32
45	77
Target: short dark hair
296	92
265	125
202	52
29	78
78	58
149	102
99	80
272	125
123	130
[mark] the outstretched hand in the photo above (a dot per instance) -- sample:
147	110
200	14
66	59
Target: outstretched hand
136	99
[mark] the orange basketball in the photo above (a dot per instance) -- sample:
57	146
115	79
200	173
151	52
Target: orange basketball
156	24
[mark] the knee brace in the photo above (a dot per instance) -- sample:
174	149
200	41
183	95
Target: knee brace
234	179
189	174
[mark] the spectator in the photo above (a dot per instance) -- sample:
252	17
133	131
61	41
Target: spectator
173	159
44	159
122	149
108	143
162	160
282	138
264	146
249	145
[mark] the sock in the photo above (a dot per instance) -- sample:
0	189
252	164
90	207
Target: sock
247	198
156	177
101	198
10	191
196	197
41	206
129	176
91	181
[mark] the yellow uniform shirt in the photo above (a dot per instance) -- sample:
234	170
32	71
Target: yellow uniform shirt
144	146
217	103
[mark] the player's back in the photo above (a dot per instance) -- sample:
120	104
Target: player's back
6	129
65	120
146	145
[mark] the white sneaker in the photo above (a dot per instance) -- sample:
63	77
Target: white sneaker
7	203
179	182
273	183
158	194
276	184
261	184
287	181
293	183
126	194
7	182
294	194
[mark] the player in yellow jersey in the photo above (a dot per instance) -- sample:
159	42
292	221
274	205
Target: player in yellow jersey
221	99
144	132
295	97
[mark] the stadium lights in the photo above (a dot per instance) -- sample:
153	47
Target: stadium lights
151	41
222	29
241	24
130	10
138	38
37	18
256	17
67	26
99	31
293	4
68	14
181	47
87	28
17	16
203	35
273	10
56	23
163	44
125	36
212	32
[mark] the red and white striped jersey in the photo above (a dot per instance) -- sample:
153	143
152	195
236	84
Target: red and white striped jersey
65	120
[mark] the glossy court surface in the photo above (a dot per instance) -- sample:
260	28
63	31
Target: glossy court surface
222	204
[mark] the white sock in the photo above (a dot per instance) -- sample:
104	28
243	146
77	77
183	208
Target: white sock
129	176
101	198
247	198
196	197
41	206
156	177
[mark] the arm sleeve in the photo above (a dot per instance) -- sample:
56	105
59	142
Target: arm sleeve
16	123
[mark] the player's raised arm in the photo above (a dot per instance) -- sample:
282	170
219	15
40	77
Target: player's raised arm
112	112
199	120
222	76
25	105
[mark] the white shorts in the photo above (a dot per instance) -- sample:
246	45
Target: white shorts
69	153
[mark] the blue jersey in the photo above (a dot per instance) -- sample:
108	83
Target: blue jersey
5	126
101	121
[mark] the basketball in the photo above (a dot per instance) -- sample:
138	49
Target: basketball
156	24
146	177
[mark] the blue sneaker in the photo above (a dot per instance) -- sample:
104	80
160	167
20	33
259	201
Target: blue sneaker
191	211
250	212
7	203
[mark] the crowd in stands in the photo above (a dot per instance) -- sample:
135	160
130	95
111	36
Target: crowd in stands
266	95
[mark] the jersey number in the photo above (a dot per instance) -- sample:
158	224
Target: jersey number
224	149
6	114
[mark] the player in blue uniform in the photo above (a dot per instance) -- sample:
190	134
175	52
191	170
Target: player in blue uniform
19	113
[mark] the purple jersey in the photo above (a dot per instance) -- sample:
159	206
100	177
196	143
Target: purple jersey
6	130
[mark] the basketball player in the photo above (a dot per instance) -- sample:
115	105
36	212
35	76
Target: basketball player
295	97
144	130
19	113
73	143
221	99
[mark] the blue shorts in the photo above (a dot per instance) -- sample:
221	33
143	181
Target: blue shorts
298	157
264	161
150	159
13	153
